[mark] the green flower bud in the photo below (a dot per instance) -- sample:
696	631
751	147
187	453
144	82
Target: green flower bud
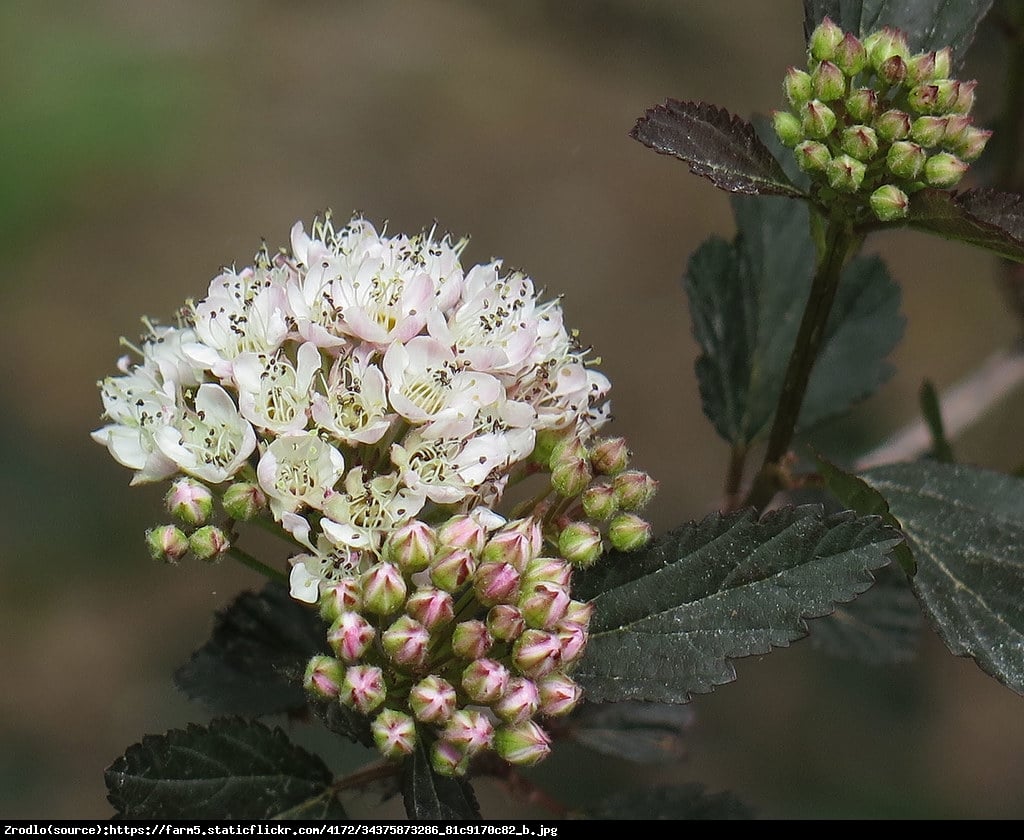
924	99
324	676
889	203
244	501
845	174
209	543
824	40
580	544
547	570
471	639
828	82
788	128
634	489
861	104
394	733
970	143
610	456
905	159
189	501
411	547
797	87
921	68
167	543
505	622
546	441
406	642
448	759
340	597
571	477
452	570
893	70
885	44
860	142
943	63
818	119
384	589
525	744
965	98
627	531
944	170
469	730
519	703
544	605
812	156
892	125
947	96
485	680
850	56
928	131
599	501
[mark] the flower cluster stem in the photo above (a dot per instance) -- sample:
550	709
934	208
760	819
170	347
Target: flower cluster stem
840	241
247	559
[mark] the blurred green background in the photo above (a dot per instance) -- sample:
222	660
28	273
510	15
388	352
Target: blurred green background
145	144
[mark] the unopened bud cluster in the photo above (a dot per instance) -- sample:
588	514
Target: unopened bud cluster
870	121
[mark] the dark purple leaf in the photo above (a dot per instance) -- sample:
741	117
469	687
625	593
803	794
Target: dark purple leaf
987	218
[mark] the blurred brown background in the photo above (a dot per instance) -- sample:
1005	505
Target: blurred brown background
144	144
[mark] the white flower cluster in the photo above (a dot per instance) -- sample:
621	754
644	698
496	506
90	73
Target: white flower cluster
360	381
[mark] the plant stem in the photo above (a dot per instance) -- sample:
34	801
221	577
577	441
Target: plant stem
247	559
839	242
734	477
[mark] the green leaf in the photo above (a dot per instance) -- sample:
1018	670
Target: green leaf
966	528
928	24
986	218
687	802
857	495
717	145
668	619
254	662
883	626
232	769
646	733
428	796
746	301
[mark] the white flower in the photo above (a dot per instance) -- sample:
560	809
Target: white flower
298	470
325	564
353	404
367	510
164	348
273	393
210	441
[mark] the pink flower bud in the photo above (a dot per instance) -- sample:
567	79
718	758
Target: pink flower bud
628	532
635	489
536	653
383	589
448	759
363	688
167	543
411	547
495	583
505	622
559	695
485	680
971	143
544	605
471	640
432	700
579	612
943	63
394	733
340	597
209	543
893	70
450	571
580	543
516	544
469	730
546	570
965	98
524	744
921	68
519	703
406	642
462	532
433	608
350	636
610	456
572	638
189	501
244	501
324	676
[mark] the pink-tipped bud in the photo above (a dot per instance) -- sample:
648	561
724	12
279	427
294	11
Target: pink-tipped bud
471	639
580	543
845	174
448	759
495	583
928	131
244	501
862	104
947	96
788	128
971	143
579	612
893	70
889	203
342	596
432	700
189	501
505	622
462	532
450	571
818	119
469	730
536	653
544	605
324	676
519	703
828	82
406	642
965	98
363	688
559	695
571	477
797	87
394	733
167	543
634	489
905	159
885	44
943	63
209	543
411	547
860	142
812	156
893	125
944	170
485	680
924	99
956	128
350	636
433	608
628	532
850	56
599	501
383	589
824	40
921	68
573	640
524	744
610	456
547	570
516	544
